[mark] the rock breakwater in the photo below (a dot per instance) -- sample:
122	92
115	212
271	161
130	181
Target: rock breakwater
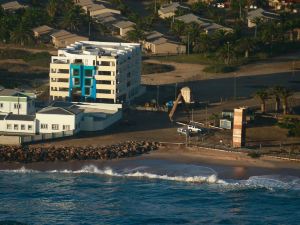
27	154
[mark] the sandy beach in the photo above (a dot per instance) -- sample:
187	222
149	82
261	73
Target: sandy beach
227	164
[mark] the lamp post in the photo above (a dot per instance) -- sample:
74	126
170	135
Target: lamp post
228	52
157	96
234	86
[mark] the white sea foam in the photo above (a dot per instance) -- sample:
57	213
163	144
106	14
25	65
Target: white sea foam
21	170
183	173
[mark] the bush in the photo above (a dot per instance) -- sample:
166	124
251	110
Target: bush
149	68
219	68
254	155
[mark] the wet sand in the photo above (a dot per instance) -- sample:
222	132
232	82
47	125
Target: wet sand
228	165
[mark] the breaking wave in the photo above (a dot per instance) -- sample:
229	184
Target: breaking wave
182	173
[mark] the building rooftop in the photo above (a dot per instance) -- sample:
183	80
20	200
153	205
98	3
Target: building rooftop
61	108
60	111
95	7
20	117
190	18
42	29
261	13
13	5
97	48
153	35
60	33
123	24
83	2
15	92
169	8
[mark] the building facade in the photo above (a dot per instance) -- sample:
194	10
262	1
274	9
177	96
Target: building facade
239	128
104	72
17	102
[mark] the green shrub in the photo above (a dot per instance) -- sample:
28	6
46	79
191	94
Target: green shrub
254	155
149	68
219	68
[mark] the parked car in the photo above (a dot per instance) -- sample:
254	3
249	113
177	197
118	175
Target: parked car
194	129
183	130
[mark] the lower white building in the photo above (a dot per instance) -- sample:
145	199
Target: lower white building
62	117
59	117
10	123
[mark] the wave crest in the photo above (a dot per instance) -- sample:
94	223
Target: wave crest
182	173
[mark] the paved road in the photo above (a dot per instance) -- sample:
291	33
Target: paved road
246	86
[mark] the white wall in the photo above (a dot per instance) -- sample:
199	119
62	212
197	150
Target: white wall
11	107
60	120
18	123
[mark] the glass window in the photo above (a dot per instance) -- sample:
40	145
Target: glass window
55	126
88	73
22	127
1	105
75	72
104	91
104	73
66	127
16	127
103	82
44	126
29	127
17	106
8	126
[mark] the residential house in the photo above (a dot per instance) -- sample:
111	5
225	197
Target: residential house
17	102
42	30
282	4
13	6
262	15
107	19
294	35
207	25
93	9
156	43
63	38
122	27
169	10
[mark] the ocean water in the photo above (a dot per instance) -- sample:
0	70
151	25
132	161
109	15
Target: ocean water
146	193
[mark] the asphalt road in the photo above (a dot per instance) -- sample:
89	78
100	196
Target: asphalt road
246	86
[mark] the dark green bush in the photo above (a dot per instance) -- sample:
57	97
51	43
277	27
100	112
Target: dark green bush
219	68
254	155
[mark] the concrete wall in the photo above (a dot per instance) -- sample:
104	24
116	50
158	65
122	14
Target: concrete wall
169	48
10	140
92	122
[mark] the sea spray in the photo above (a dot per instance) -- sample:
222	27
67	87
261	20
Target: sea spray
198	174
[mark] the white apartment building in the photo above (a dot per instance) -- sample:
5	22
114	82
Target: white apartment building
17	102
103	72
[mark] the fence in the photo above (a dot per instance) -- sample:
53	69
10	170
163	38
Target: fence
18	140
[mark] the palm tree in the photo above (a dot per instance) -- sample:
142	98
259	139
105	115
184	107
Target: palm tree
245	45
135	35
284	95
262	95
275	91
21	35
257	22
52	8
74	18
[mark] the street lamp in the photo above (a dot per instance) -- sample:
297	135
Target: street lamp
228	52
234	86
